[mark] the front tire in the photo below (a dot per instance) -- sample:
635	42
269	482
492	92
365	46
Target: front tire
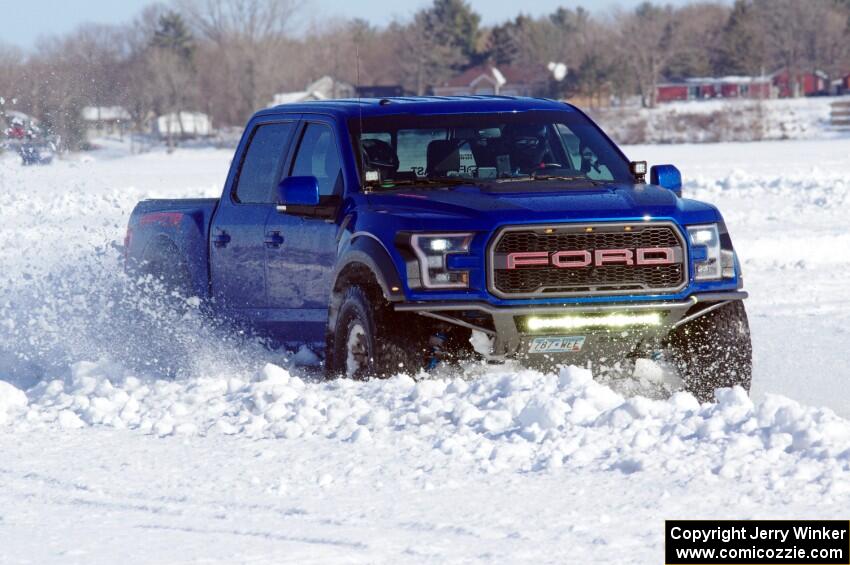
371	340
714	351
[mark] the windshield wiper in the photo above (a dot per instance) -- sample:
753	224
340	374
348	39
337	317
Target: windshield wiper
594	182
428	181
563	178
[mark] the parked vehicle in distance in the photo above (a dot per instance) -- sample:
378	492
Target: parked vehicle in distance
385	233
36	153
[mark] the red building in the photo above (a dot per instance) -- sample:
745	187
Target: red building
703	88
777	85
807	84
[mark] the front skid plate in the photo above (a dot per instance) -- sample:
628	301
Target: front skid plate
510	338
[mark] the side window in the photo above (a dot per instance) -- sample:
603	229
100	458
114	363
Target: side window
261	168
583	157
571	144
318	156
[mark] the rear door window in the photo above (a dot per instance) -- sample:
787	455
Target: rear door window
261	168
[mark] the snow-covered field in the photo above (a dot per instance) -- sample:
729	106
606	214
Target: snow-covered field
248	458
720	120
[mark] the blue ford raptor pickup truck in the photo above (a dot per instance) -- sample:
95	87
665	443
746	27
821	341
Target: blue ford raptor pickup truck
392	234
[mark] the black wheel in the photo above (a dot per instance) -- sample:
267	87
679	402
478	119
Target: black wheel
162	335
714	351
171	281
370	340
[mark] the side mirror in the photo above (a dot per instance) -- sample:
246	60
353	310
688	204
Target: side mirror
299	196
666	176
297	191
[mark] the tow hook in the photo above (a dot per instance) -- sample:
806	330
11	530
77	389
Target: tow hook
437	343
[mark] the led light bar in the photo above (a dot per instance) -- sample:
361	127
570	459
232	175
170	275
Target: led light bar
607	321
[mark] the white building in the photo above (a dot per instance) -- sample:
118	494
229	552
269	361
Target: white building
323	89
183	124
102	121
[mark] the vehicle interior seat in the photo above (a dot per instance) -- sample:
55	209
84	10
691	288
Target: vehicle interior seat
443	156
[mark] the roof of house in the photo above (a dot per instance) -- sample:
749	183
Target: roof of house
508	74
299	96
351	107
731	79
317	90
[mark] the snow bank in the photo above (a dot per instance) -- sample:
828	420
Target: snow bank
711	121
12	401
506	420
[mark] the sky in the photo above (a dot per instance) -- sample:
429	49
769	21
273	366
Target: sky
26	21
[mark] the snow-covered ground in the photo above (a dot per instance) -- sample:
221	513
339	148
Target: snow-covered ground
247	457
722	120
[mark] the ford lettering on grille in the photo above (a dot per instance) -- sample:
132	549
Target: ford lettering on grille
581	258
587	259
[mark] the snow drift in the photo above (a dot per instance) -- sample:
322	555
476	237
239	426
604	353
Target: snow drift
506	419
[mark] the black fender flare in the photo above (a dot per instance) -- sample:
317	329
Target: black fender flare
365	249
162	258
159	251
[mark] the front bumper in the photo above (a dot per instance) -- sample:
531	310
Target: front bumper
510	334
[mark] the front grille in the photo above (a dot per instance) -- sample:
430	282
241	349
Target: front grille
536	280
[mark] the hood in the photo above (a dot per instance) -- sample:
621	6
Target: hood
509	202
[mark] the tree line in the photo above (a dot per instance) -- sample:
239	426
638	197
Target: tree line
227	58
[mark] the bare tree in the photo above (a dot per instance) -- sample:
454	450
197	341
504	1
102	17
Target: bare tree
801	36
11	73
647	42
244	36
254	21
66	74
700	29
140	97
827	46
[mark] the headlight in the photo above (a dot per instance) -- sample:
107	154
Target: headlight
431	251
714	263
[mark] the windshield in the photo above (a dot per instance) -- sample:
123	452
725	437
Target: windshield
486	147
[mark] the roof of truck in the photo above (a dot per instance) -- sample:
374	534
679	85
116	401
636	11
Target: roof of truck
355	107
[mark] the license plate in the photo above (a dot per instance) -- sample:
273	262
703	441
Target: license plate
556	344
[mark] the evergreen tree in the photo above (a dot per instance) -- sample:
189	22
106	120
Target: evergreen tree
173	35
171	60
594	72
439	42
454	25
569	21
502	47
742	47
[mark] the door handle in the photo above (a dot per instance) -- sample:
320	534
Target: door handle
274	239
221	239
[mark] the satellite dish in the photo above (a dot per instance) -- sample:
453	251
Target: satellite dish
558	70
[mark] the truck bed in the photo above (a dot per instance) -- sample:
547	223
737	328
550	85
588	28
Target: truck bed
166	232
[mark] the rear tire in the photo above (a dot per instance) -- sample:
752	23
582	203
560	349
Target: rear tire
714	351
170	275
163	337
371	340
